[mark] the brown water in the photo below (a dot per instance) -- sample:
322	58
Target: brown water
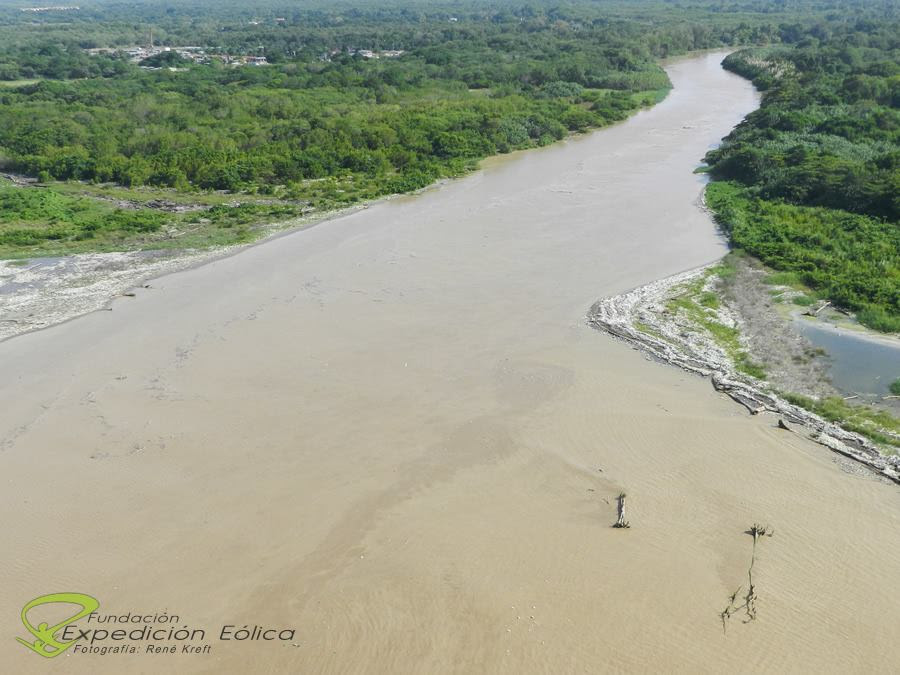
394	433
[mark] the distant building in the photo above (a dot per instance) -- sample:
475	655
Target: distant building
370	54
51	9
195	54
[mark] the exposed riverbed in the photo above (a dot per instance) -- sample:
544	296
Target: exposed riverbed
396	434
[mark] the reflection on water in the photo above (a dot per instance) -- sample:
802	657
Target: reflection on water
858	365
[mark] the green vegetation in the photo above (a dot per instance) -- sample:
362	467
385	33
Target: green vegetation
809	183
699	305
851	259
879	426
320	128
649	330
783	279
37	222
460	92
895	387
17	83
802	300
324	125
33	217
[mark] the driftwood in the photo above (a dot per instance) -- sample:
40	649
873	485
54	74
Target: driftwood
749	605
617	316
812	312
753	401
750	404
621	523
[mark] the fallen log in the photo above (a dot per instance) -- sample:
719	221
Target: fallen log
815	312
619	315
751	404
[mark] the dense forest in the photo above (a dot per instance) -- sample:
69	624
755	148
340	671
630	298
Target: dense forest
811	180
325	123
461	90
364	99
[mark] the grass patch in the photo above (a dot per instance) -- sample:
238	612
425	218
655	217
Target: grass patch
141	195
745	365
649	98
865	420
648	330
12	84
791	279
710	300
726	270
803	300
46	222
699	306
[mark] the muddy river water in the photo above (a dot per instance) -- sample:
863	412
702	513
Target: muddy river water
394	434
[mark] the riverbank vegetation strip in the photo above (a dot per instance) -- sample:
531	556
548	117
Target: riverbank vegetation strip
685	321
810	182
350	104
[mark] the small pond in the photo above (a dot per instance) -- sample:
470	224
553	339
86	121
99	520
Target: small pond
858	365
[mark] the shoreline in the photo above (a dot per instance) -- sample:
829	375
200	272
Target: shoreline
139	273
641	318
850	328
397	435
136	268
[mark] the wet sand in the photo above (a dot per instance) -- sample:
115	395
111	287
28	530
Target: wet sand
396	434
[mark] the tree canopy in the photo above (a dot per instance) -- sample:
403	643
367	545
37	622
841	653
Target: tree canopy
815	172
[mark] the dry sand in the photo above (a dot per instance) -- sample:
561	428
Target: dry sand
396	434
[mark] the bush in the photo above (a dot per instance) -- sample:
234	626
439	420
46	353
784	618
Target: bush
879	319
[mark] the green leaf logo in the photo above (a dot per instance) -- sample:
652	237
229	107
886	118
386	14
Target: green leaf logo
45	642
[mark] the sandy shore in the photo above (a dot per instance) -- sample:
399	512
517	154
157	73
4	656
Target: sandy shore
642	318
42	292
397	436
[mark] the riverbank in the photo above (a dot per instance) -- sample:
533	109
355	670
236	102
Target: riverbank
41	287
716	321
397	435
39	292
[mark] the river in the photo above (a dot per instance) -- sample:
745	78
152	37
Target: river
394	433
